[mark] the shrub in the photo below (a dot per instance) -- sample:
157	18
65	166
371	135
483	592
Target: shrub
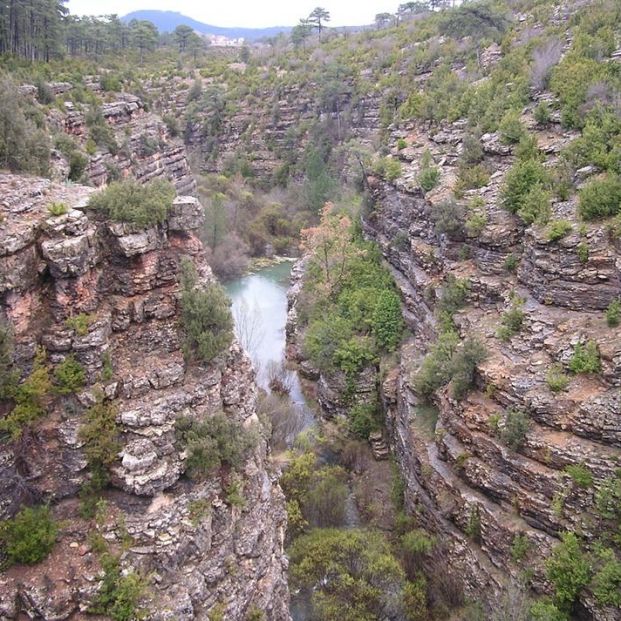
8	375
511	128
582	250
556	378
580	474
364	419
29	397
23	146
519	548
516	426
99	131
473	526
99	433
29	536
322	339
511	321
205	317
528	148
568	570
472	177
80	323
387	320
69	375
585	358
448	217
535	205
607	580
57	209
428	178
542	114
389	168
600	198
511	263
340	569
463	366
435	369
355	354
558	229
477	218
77	165
544	58
129	201
210	443
544	610
119	593
525	178
613	313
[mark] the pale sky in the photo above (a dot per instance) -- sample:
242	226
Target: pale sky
246	13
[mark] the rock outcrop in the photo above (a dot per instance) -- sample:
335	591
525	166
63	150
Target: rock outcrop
462	480
200	545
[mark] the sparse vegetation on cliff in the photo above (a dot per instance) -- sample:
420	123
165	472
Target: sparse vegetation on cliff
205	317
134	203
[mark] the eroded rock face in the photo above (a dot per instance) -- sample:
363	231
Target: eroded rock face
459	472
196	545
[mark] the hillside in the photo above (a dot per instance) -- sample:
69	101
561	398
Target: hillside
167	21
455	179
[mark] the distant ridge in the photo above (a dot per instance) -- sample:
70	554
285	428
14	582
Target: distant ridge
167	21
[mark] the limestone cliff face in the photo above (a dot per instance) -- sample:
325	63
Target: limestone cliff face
195	547
458	467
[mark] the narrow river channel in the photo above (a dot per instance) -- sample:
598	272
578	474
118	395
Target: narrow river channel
259	306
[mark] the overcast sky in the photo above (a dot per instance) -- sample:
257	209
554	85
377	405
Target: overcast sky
248	13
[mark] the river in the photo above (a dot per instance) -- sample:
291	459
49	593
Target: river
259	306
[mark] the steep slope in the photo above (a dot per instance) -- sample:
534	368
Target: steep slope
106	295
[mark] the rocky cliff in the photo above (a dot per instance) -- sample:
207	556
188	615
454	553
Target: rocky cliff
107	295
463	480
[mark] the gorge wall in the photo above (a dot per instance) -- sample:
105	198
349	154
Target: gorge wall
197	550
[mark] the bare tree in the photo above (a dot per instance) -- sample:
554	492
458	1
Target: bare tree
544	58
248	327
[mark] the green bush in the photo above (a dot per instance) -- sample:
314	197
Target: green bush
389	168
524	191
129	201
472	177
544	610
448	218
100	433
607	580
364	418
580	474
585	358
556	378
463	366
77	165
542	114
119	593
511	321
387	320
568	570
528	148
558	229
80	323
210	443
69	375
323	337
613	313
582	250
520	547
24	147
350	574
510	128
29	536
205	317
473	526
516	427
8	375
30	399
428	177
600	198
57	209
99	131
511	263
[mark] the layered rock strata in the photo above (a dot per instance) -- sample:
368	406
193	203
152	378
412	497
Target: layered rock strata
196	547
